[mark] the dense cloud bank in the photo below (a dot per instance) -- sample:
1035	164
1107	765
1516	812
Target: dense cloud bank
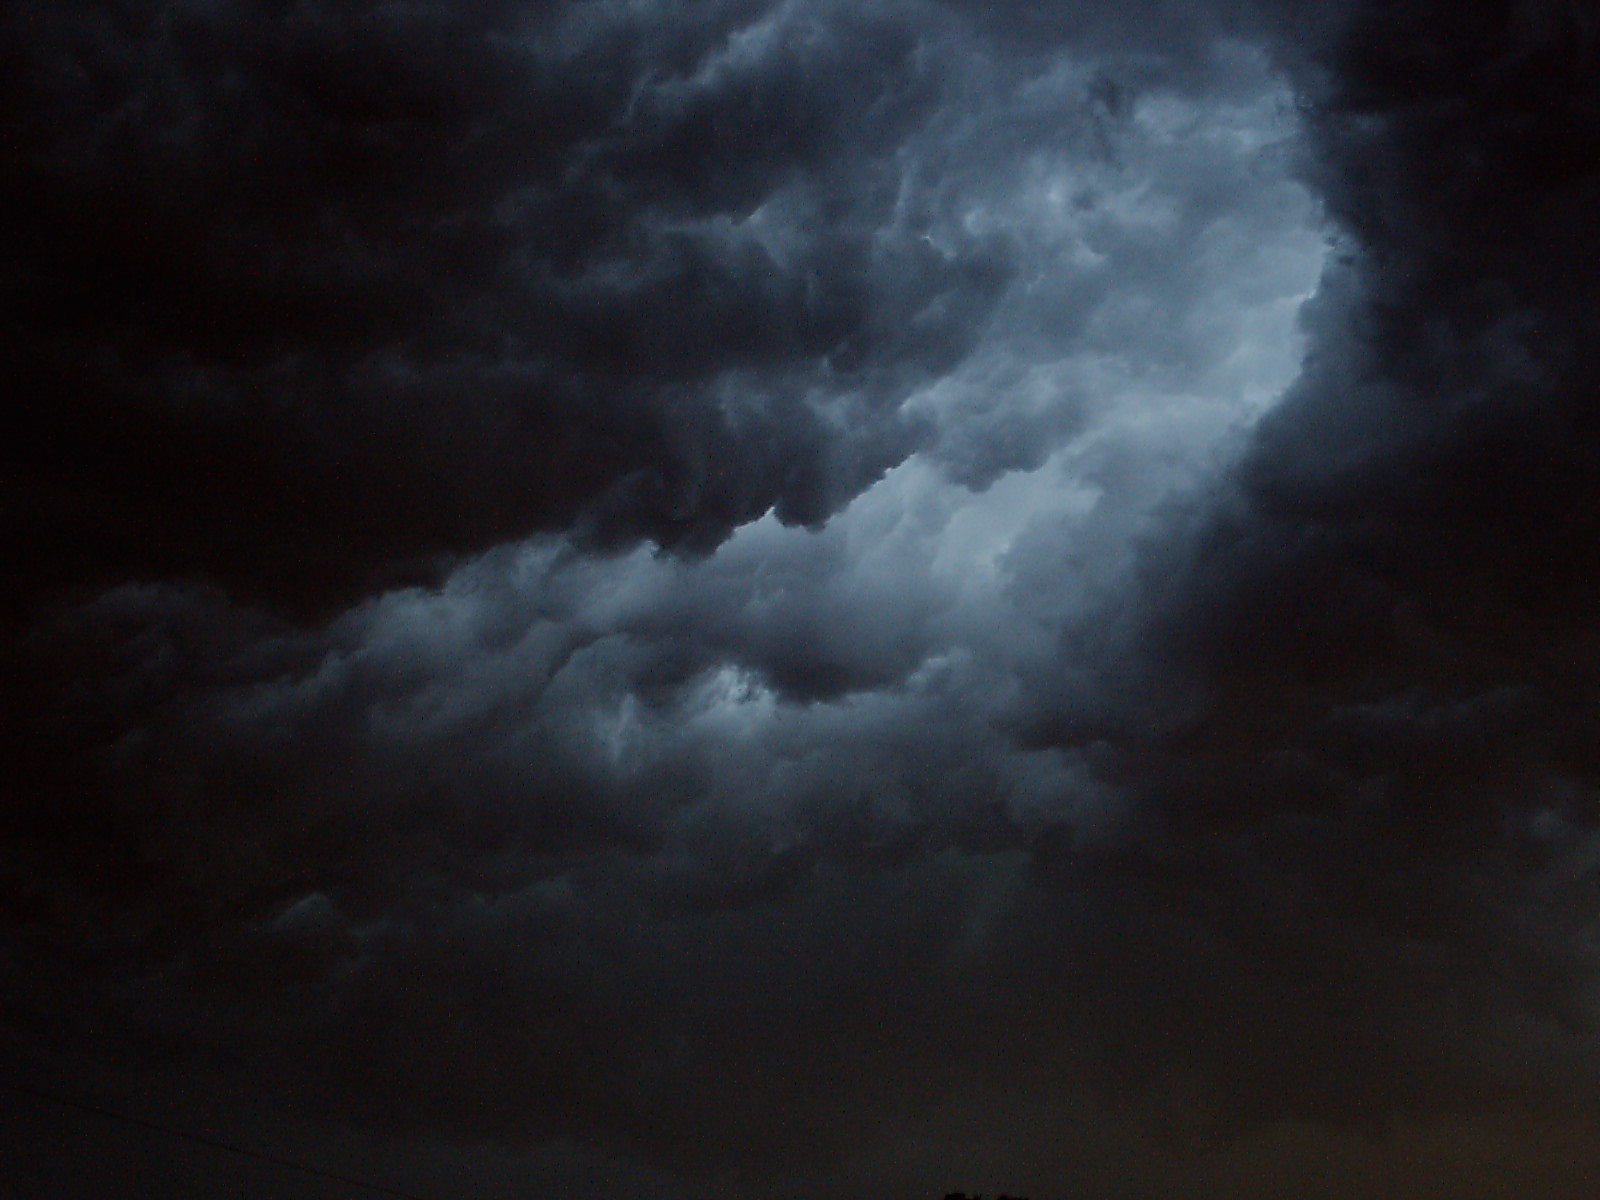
813	597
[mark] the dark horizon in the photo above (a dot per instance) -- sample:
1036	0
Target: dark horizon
793	600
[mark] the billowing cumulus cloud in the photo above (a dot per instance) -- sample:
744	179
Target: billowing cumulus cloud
801	598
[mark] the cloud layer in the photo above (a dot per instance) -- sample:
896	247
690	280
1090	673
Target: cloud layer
802	597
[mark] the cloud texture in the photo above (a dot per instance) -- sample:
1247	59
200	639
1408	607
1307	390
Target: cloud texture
798	598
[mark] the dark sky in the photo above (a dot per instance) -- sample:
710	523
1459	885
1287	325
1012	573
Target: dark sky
801	600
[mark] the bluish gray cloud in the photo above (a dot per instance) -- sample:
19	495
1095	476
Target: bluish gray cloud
797	598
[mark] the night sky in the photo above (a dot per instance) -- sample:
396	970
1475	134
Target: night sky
801	600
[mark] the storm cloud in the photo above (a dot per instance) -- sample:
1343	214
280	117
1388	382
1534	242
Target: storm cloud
755	598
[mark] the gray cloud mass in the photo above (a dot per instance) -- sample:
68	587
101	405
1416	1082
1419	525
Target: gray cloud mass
803	599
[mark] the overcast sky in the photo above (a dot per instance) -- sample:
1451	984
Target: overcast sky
801	600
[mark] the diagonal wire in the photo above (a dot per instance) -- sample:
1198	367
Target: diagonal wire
203	1140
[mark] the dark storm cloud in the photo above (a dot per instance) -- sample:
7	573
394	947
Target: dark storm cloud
432	277
1045	771
1357	706
1413	559
563	849
600	901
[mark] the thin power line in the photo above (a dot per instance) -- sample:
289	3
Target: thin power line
202	1140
